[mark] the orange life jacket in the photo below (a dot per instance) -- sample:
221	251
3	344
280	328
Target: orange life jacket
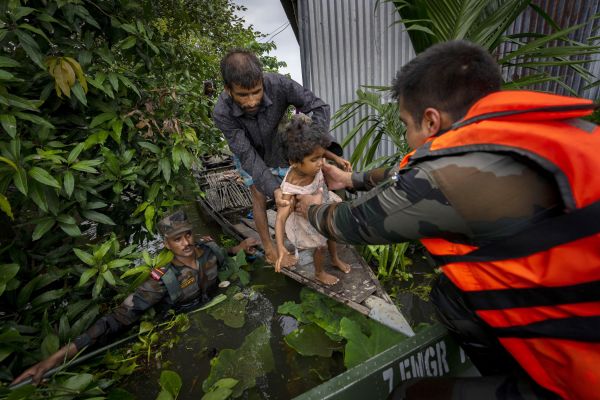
539	290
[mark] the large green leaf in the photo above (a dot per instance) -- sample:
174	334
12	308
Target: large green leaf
42	176
97	217
170	383
360	347
310	340
68	182
232	311
42	227
9	123
252	360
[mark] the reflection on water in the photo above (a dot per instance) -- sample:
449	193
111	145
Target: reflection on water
190	357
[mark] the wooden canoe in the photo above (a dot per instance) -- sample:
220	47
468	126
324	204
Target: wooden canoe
228	202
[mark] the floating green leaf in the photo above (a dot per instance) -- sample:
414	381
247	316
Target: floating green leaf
310	340
252	360
232	311
361	347
221	390
170	382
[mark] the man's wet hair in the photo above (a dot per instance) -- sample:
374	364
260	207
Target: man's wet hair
241	67
448	76
302	138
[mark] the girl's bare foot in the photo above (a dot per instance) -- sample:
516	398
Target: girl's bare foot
326	279
342	266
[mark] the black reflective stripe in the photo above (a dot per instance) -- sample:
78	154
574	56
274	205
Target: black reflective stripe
583	329
500	114
533	297
549	233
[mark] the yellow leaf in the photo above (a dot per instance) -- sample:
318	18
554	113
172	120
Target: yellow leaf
51	63
68	72
60	81
79	72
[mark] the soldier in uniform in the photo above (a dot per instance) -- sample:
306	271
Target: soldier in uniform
499	188
183	283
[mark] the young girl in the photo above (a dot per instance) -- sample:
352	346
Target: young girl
305	150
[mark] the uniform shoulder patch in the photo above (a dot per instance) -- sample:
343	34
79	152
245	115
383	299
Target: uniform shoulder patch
157	273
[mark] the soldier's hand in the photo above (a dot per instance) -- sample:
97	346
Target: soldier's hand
248	245
303	201
36	372
336	178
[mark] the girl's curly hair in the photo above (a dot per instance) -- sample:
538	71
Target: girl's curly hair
302	138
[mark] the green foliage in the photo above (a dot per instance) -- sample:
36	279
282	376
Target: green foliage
391	260
221	390
235	269
485	22
231	311
170	383
253	359
360	346
382	122
310	340
325	324
102	119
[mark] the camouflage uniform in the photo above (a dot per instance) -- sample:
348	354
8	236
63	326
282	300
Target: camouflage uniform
193	286
471	198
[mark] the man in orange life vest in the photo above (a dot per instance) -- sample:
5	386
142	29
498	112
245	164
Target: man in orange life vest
503	189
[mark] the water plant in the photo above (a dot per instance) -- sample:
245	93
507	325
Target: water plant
327	326
251	360
391	261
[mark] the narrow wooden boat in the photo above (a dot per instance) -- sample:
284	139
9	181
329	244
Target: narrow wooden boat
228	202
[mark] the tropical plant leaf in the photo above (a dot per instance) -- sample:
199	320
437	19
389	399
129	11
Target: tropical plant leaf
253	359
42	227
42	176
310	340
97	217
5	206
9	123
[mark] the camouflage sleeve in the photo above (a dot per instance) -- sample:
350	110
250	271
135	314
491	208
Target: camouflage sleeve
221	255
145	296
409	206
368	180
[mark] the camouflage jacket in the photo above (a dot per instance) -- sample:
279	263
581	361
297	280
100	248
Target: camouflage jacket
192	283
471	198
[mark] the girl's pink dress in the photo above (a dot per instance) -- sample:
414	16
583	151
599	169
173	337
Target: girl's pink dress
297	228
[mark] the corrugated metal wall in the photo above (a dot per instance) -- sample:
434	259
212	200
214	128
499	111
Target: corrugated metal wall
348	43
565	14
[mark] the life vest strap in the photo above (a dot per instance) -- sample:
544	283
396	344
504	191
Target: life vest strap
533	297
555	231
583	329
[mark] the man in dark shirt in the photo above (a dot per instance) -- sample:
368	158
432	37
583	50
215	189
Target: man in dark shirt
248	113
182	283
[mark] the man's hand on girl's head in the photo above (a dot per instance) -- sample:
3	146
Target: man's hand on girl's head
336	178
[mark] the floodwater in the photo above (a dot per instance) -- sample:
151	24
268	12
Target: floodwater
190	357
